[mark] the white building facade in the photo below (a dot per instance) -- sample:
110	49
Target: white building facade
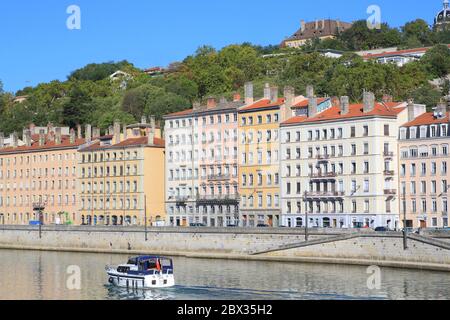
339	166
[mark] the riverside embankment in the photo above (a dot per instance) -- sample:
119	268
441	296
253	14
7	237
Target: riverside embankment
431	252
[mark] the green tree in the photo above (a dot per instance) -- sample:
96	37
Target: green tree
151	100
437	61
360	37
417	33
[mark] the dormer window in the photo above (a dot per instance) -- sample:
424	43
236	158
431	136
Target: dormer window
433	131
413	133
423	132
403	133
444	129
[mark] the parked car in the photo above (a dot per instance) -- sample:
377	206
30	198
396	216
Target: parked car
262	226
381	229
232	226
198	225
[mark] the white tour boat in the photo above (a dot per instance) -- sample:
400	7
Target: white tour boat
143	272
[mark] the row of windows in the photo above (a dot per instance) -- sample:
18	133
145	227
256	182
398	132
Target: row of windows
211	154
108	156
113	204
269	178
219	190
251	120
433	169
432	131
251	136
212	172
29	200
110	187
38	172
212	136
39	185
421	206
436	187
332	151
206	120
270	201
331	134
109	171
424	151
37	159
203	210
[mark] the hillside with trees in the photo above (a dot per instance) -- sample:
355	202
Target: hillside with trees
89	95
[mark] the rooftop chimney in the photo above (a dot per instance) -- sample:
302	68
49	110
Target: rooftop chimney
387	98
111	130
41	137
116	131
2	140
302	25
237	97
27	138
14	139
368	101
72	136
309	91
58	137
125	134
88	135
223	101
143	120
211	103
196	105
274	94
79	136
286	108
312	107
267	91
345	105
151	135
248	93
96	133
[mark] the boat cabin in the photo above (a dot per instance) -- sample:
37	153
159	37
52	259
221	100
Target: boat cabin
152	263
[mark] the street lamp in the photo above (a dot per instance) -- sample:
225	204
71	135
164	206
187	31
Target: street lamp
405	237
306	215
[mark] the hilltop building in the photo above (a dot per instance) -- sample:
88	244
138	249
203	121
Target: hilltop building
319	29
442	19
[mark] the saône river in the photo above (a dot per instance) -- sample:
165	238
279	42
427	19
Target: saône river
39	275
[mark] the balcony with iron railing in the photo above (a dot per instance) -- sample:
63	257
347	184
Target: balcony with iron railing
219	177
323	175
389	173
325	194
390	192
323	157
388	154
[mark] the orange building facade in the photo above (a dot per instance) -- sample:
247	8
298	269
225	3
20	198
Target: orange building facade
40	169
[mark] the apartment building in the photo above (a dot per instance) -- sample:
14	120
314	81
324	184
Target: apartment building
121	176
259	163
339	164
424	175
40	173
201	164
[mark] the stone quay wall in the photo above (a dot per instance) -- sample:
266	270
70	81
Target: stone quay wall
324	246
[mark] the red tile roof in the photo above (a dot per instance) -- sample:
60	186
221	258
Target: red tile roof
65	143
398	52
389	109
427	118
180	113
304	103
126	143
263	104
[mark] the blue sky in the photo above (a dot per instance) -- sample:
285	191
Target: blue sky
36	45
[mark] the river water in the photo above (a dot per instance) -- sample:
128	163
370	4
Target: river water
50	275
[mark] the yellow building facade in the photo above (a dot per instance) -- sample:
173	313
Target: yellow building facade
259	155
121	177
